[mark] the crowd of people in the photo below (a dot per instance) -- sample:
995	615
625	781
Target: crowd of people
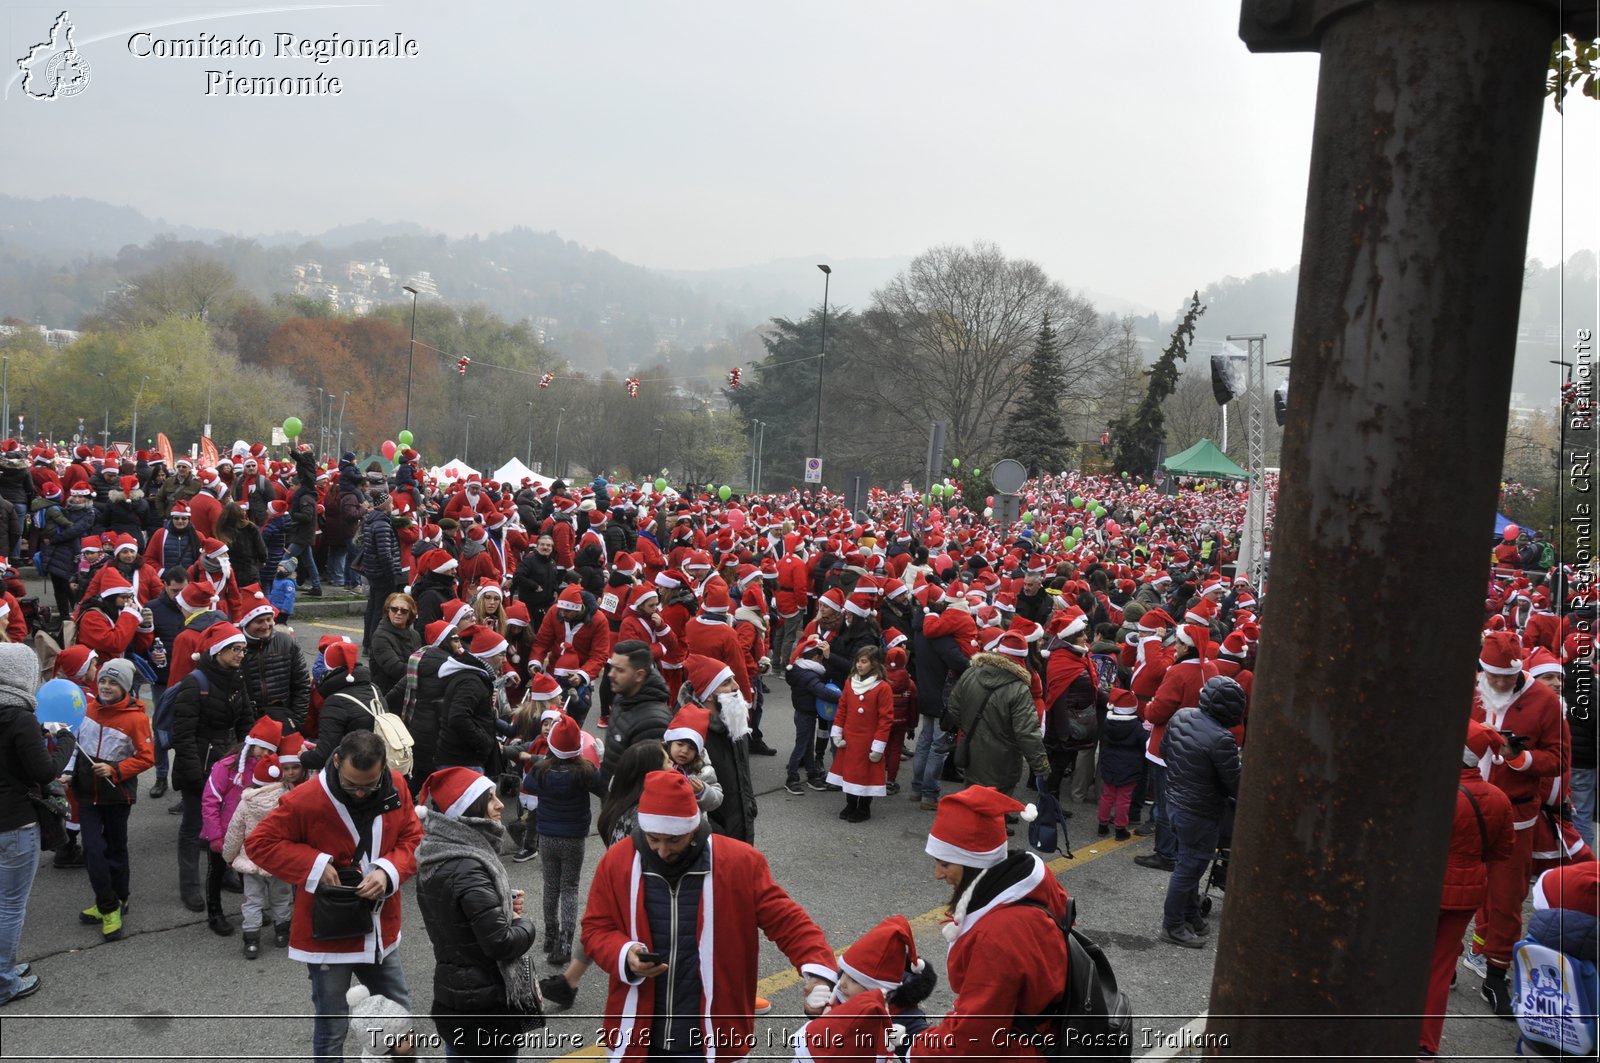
1102	651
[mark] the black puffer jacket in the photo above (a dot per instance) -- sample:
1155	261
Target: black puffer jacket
641	715
26	763
392	647
467	925
431	592
736	816
938	662
1201	754
344	697
466	719
205	727
275	672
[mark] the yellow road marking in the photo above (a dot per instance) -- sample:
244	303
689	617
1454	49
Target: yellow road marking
788	978
339	627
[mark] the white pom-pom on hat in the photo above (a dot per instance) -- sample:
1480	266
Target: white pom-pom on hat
422	811
356	994
1029	813
195	657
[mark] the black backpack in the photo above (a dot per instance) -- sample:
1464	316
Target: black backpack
1092	1019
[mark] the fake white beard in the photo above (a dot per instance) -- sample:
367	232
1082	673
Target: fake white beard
735	714
1494	703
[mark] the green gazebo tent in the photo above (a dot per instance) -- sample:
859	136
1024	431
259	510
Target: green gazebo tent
1204	459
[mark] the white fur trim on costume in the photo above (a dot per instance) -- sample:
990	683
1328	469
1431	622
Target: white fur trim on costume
866	979
317	866
471	794
711	687
951	854
879	747
624	972
1029	813
1511	669
683	734
674	825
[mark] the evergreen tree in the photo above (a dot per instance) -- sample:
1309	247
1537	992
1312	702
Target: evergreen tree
1138	435
1035	431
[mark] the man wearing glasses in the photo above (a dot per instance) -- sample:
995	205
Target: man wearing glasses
353	826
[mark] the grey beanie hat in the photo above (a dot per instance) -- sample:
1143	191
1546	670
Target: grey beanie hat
19	674
120	671
377	1021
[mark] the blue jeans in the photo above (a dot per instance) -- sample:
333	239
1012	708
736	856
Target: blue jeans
19	862
337	556
928	764
330	982
1196	841
306	563
160	739
1166	844
804	753
1583	785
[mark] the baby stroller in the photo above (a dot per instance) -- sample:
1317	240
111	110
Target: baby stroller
1217	874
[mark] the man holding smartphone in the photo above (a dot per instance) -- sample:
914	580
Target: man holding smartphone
667	900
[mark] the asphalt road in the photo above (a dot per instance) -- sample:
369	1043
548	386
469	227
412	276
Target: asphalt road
173	990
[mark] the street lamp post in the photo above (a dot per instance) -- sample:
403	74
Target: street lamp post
761	446
466	445
411	359
134	439
339	445
658	449
556	471
827	277
322	424
529	405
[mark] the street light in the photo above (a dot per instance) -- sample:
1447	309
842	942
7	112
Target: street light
466	445
658	448
827	277
529	405
761	447
322	425
339	446
411	360
134	438
556	471
105	434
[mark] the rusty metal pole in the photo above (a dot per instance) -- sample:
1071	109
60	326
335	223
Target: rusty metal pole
1422	164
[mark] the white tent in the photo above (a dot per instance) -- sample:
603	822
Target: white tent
514	472
455	470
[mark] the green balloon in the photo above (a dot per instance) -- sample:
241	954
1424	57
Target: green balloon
724	492
1027	518
661	484
976	471
955	463
291	427
924	499
1044	537
1143	527
710	488
405	438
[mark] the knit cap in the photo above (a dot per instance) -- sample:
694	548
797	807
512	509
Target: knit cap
377	1021
19	674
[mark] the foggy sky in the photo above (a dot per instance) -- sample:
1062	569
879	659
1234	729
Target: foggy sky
1135	149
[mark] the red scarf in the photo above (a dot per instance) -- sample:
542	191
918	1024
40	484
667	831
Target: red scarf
1063	670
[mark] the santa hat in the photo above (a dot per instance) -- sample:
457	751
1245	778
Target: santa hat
517	615
1011	644
1574	887
489	585
197	594
219	637
90	544
834	600
290	748
213	547
706	674
124	542
1481	741
452	791
970	827
689	725
438	631
485	642
115	584
73	662
438	561
267	733
716	600
1542	662
343	655
1235	646
1122	703
641	594
1203	611
1578	644
1197	636
478	533
1501	653
571	598
1068	621
51	490
566	738
861	604
267	770
670	579
893	636
255	604
81	490
883	955
625	563
667	805
698	559
542	687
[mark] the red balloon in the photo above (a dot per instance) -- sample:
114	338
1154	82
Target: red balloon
989	501
1511	533
389	449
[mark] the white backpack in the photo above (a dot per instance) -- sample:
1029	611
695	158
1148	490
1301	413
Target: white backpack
396	735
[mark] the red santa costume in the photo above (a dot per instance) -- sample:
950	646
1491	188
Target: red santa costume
1532	711
737	897
1180	689
204	509
1007	958
109	638
1543	627
709	635
559	526
283	847
653	631
480	558
469	502
676	616
856	1031
571	643
861	727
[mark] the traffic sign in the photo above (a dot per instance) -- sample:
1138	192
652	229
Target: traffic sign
1008	476
813	470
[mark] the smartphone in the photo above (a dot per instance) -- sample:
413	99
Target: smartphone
652	957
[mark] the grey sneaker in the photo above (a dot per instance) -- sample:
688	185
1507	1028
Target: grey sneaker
1182	936
793	786
1477	963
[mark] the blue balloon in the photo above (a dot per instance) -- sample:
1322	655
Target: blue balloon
62	701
